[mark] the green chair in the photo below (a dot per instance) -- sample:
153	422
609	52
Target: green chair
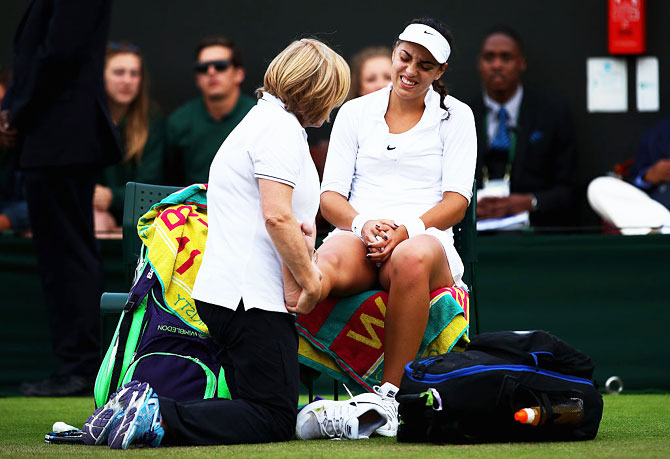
138	200
465	241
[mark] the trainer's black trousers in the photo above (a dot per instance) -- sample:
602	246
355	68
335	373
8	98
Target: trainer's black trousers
259	352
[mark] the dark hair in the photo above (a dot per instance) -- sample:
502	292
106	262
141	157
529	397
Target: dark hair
226	42
508	32
438	85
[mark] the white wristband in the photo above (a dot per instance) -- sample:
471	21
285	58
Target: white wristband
414	226
357	224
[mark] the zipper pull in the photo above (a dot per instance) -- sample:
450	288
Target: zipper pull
419	371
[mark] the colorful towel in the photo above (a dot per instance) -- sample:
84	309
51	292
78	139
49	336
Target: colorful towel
344	337
174	232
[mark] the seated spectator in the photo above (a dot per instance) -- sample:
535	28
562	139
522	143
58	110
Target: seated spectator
643	205
13	206
526	147
196	130
142	135
370	70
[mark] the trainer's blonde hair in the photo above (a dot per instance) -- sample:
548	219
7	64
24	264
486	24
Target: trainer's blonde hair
310	78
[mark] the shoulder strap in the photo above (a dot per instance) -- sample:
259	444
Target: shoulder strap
140	289
124	328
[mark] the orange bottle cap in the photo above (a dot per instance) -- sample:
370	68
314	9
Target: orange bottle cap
521	416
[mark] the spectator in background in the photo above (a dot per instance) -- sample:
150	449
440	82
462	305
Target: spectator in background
370	70
142	134
526	160
196	130
56	102
13	206
643	205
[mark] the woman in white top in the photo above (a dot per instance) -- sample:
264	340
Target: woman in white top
398	176
262	182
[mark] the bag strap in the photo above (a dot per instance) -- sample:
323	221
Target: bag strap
142	286
124	328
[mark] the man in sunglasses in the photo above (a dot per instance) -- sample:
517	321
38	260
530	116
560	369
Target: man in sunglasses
196	130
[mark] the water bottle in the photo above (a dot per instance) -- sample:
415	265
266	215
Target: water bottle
571	412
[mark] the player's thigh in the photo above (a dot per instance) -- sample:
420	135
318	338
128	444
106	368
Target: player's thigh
342	259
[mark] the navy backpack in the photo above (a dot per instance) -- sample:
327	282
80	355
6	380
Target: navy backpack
473	396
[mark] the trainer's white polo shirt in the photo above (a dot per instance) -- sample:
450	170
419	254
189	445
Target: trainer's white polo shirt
240	260
401	176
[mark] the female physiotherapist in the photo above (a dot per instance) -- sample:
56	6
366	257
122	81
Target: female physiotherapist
262	183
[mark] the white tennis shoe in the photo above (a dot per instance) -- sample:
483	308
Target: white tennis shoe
384	396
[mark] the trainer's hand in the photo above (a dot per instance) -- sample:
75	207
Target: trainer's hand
308	296
309	233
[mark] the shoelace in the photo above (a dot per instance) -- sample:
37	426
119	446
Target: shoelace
334	417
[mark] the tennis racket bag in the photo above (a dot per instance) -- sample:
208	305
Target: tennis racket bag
474	396
153	345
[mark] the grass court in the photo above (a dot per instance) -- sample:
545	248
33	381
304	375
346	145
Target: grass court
635	425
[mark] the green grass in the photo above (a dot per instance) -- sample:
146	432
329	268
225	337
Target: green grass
632	426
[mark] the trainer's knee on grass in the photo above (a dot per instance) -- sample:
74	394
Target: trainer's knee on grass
285	426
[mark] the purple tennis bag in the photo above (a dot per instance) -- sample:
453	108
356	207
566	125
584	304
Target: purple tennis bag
153	345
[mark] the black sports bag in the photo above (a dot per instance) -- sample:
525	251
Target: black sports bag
473	396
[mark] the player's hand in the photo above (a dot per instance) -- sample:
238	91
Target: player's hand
380	250
375	230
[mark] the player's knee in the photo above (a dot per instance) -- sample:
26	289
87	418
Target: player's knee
410	262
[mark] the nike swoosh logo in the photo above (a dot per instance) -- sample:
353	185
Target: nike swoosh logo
390	148
425	31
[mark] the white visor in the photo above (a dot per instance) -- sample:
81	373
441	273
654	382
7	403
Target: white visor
430	39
